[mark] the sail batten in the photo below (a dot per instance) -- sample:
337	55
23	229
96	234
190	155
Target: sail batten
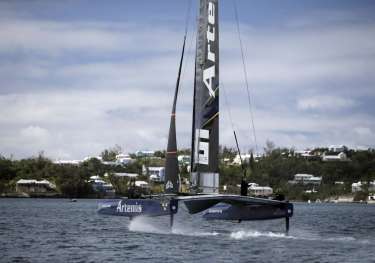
205	141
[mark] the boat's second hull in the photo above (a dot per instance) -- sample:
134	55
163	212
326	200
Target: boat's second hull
250	212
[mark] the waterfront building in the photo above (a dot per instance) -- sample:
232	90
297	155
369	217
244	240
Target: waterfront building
112	163
127	175
360	186
141	184
303	153
124	159
34	186
307	154
68	162
259	191
100	186
336	148
245	158
144	153
306	179
156	174
183	159
340	157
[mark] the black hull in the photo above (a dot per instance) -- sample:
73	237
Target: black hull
214	207
248	213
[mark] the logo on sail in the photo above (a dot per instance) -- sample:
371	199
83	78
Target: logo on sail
202	146
169	185
209	73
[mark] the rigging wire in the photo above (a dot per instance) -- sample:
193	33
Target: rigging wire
227	105
234	131
231	122
187	19
245	75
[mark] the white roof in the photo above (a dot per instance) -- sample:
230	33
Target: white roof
141	183
360	183
336	146
260	188
26	181
122	155
33	181
67	162
43	182
302	151
145	152
125	174
357	184
304	175
156	168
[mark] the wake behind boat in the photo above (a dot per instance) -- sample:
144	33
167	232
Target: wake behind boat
204	194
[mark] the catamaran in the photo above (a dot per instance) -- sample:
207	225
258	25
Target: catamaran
204	196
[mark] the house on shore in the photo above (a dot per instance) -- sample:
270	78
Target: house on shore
306	179
155	173
144	153
102	187
124	159
259	191
340	157
245	158
360	186
31	186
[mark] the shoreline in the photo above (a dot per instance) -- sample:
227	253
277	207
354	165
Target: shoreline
343	200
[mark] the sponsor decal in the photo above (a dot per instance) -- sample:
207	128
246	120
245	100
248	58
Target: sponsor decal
169	185
126	208
209	73
202	146
215	211
164	205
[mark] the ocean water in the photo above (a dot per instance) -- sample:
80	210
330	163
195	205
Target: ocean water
56	230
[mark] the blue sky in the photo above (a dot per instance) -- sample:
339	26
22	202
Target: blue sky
80	76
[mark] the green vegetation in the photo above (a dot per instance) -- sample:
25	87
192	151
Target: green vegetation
110	154
275	169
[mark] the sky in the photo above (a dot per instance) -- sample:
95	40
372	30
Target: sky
80	76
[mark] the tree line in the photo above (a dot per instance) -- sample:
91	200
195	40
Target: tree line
275	168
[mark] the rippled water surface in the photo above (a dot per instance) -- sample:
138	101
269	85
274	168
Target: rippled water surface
56	230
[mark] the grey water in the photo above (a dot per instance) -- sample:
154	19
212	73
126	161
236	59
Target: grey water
56	230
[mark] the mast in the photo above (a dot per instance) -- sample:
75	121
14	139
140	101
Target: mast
205	133
172	182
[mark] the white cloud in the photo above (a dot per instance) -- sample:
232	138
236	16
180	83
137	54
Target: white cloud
78	87
363	131
35	133
54	38
325	103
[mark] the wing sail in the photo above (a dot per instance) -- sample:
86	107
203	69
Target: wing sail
205	145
